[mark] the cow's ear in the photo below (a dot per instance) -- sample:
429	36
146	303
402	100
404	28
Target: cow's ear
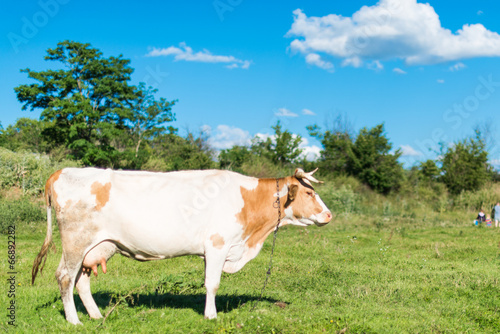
292	192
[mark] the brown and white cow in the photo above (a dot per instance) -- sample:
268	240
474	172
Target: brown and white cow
222	216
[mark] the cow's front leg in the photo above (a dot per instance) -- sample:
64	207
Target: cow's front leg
214	262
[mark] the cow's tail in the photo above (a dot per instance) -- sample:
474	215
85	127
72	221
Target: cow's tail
42	256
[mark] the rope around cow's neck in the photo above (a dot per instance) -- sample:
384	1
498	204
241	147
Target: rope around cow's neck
277	205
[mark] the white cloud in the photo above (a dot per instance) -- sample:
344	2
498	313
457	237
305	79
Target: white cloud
457	67
206	129
398	71
264	136
310	152
308	112
284	112
479	12
375	65
407	150
389	30
315	59
226	136
352	61
495	163
185	53
441	81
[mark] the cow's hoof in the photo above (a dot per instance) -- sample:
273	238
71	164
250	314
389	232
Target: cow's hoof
96	316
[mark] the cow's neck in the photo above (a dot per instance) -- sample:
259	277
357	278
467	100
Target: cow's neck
259	216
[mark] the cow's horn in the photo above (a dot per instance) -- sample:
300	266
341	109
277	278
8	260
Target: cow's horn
300	174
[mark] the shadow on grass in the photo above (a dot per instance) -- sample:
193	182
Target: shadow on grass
224	303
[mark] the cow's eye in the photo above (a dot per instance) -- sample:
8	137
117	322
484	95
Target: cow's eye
310	193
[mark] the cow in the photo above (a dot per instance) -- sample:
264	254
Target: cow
222	216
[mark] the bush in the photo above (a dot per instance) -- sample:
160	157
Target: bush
28	171
262	167
339	200
484	198
19	211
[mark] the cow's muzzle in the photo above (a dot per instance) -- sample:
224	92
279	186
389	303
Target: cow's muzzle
323	218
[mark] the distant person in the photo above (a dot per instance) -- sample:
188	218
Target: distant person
481	217
488	221
496	213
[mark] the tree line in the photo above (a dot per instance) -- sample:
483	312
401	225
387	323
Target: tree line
90	112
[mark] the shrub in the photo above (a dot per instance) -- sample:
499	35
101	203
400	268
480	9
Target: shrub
28	171
19	211
258	166
339	200
484	198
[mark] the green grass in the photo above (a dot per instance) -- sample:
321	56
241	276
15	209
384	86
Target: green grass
359	274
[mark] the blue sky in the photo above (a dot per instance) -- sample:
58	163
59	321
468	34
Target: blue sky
429	71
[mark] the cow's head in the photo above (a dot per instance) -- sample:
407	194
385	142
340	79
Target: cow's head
303	206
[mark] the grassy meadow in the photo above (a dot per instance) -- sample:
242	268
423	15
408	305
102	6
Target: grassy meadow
389	268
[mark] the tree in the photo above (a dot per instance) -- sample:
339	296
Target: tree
25	134
337	143
149	115
371	162
429	170
171	152
85	103
282	148
234	157
465	165
2	135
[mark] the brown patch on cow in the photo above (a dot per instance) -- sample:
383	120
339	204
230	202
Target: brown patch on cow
101	193
258	216
64	283
303	206
217	241
67	205
50	194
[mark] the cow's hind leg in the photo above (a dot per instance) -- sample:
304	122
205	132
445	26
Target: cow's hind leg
66	276
83	288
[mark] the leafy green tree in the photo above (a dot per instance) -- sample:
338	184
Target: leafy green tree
465	165
2	136
84	103
171	152
429	169
337	145
371	162
234	157
25	134
282	148
149	116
